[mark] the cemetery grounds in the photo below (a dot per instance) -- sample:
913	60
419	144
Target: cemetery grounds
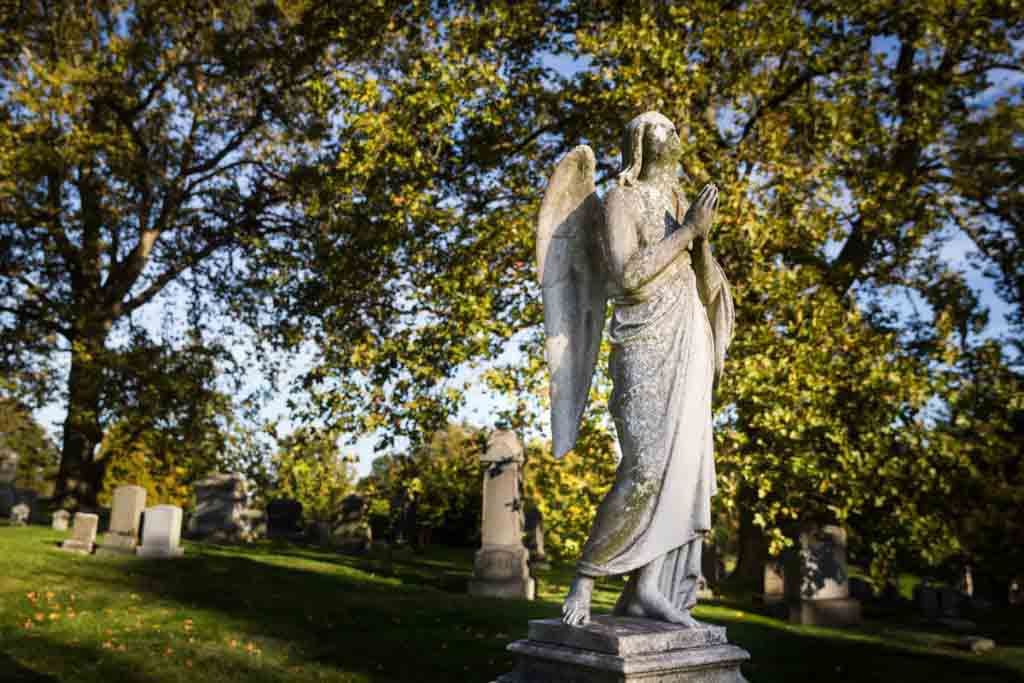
274	612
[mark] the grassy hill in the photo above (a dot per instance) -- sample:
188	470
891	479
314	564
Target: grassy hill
280	613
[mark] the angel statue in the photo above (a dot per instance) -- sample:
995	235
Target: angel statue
648	252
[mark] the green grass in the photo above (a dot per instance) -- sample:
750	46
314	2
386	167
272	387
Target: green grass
283	613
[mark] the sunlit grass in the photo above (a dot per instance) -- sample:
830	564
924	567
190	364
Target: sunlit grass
288	613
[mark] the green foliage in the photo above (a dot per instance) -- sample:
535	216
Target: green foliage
310	468
440	480
150	145
568	491
37	455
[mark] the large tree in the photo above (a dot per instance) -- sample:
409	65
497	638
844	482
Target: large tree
851	142
143	144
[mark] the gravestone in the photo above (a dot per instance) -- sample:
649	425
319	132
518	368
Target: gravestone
774	582
60	520
352	535
712	568
20	514
125	518
501	566
1015	592
819	592
624	650
83	533
926	598
8	473
534	522
220	507
161	532
284	519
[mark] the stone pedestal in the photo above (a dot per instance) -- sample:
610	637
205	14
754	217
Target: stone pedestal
624	650
161	533
125	519
500	568
83	534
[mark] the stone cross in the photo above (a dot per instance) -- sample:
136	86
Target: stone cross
161	532
60	520
500	568
83	533
125	518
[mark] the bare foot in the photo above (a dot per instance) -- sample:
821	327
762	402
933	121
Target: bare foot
576	608
627	605
656	606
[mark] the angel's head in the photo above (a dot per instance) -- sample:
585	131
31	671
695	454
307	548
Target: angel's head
650	138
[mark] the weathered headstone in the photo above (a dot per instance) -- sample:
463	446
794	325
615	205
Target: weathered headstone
220	504
60	520
352	535
712	568
284	519
926	598
501	566
774	581
161	532
20	514
1015	592
83	533
822	591
125	518
534	522
624	650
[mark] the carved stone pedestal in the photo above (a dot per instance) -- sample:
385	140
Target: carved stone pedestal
624	650
501	569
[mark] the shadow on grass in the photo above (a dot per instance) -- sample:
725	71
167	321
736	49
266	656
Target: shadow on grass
80	662
343	614
340	616
16	673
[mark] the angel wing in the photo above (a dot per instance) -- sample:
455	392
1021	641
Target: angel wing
573	285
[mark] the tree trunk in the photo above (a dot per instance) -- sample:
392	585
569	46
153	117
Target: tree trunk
753	548
80	478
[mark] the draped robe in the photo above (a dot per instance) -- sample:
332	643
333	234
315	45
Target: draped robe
663	362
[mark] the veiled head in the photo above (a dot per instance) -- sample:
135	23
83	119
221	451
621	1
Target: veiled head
648	138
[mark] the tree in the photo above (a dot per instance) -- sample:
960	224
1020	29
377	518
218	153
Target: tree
309	467
144	144
440	479
22	435
843	139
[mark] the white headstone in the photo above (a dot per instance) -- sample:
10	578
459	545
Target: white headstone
500	568
20	514
60	520
161	532
83	533
125	517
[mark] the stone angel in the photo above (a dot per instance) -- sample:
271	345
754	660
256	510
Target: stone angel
647	252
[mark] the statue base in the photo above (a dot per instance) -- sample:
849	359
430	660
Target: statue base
624	650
